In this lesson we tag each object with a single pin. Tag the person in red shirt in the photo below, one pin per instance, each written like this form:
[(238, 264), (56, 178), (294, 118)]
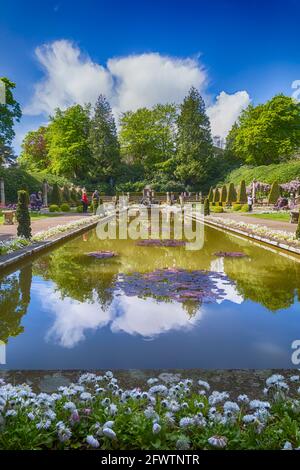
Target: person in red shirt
[(85, 201)]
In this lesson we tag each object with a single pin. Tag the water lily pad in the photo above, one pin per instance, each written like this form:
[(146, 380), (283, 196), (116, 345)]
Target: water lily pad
[(103, 254), (158, 242), (230, 254)]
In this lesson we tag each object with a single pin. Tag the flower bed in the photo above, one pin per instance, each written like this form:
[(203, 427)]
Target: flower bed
[(96, 413), (19, 242), (260, 230)]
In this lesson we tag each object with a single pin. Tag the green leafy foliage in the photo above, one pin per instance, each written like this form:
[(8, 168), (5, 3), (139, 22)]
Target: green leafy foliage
[(242, 193), (23, 216), (54, 208), (223, 193), (206, 206), (56, 195), (10, 112), (231, 194), (236, 207), (216, 195), (65, 207)]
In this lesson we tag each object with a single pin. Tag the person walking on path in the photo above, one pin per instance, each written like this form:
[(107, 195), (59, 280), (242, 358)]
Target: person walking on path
[(250, 203), (85, 201)]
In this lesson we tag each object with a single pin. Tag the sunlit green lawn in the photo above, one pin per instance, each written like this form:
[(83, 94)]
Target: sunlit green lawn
[(281, 216), (36, 216)]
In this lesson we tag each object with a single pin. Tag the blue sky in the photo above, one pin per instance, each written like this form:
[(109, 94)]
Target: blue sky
[(138, 53)]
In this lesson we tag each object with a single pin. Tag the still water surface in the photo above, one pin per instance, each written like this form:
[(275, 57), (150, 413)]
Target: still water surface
[(66, 310)]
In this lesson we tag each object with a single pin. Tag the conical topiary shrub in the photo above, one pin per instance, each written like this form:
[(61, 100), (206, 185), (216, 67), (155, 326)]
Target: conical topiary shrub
[(56, 195), (211, 195), (216, 195), (242, 193), (23, 216), (206, 206), (274, 193), (223, 193), (231, 194)]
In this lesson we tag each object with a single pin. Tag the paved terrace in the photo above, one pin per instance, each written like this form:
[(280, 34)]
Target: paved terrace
[(9, 231)]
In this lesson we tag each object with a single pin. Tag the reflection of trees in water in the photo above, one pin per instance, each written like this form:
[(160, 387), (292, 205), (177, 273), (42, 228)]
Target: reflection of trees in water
[(14, 301), (270, 280)]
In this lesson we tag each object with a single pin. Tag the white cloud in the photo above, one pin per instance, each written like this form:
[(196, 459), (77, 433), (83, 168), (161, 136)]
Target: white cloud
[(128, 82), (226, 110)]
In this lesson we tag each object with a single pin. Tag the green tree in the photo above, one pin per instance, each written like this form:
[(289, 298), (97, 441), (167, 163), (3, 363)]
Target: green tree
[(231, 194), (23, 216), (223, 193), (148, 139), (69, 151), (242, 193), (194, 142), (103, 141), (274, 193), (267, 133), (34, 153), (10, 112)]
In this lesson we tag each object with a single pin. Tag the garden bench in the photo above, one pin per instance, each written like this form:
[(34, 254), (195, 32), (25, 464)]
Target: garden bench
[(8, 216)]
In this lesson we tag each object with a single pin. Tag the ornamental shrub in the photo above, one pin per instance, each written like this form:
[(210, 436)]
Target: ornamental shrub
[(56, 195), (211, 195), (274, 193), (216, 195), (245, 208), (79, 209), (237, 207), (206, 207), (217, 209), (223, 193), (65, 207), (231, 194), (54, 208), (242, 193), (23, 216)]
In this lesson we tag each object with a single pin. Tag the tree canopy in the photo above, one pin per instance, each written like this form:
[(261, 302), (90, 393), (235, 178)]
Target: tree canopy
[(10, 112)]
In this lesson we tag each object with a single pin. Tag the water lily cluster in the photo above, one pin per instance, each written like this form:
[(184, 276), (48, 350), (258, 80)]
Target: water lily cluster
[(97, 413)]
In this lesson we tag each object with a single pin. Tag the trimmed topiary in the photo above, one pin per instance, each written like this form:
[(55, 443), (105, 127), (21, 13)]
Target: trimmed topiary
[(56, 195), (65, 207), (242, 193), (223, 193), (231, 194), (79, 209), (23, 216), (236, 207), (211, 195), (54, 208), (206, 207), (245, 208), (274, 193), (217, 209), (216, 195)]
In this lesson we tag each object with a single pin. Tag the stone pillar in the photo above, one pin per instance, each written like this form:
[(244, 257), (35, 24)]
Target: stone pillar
[(45, 193), (2, 192), (168, 198)]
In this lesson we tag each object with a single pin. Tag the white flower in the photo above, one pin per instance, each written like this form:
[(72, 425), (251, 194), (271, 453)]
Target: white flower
[(186, 421), (156, 428), (249, 419), (231, 406), (108, 432), (295, 378), (11, 413), (243, 398), (183, 443), (44, 424), (274, 379), (218, 441), (287, 446), (150, 413), (113, 409), (51, 415), (152, 381), (158, 390), (204, 384), (69, 405), (109, 374), (259, 404), (85, 396), (108, 424), (217, 397), (92, 441)]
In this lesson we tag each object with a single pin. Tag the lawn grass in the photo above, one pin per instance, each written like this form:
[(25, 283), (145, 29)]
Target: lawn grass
[(36, 216), (281, 216)]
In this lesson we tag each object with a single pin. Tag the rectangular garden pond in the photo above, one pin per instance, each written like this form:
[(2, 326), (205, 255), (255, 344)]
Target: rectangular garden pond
[(151, 306)]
